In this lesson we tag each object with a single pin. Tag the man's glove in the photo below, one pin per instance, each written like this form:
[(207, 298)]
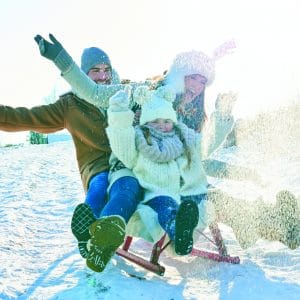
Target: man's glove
[(119, 101), (48, 49)]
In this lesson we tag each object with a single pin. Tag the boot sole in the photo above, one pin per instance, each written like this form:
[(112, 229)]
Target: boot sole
[(102, 247), (186, 221), (81, 220)]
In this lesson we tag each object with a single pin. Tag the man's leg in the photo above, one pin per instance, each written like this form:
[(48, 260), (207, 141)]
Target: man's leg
[(87, 213), (108, 233), (96, 194), (124, 196)]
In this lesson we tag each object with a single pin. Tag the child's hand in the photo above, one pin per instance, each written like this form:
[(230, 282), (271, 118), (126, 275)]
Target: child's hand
[(119, 101), (225, 102)]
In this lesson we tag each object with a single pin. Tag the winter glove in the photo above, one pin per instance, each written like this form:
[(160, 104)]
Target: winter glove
[(141, 94), (48, 49), (119, 101), (224, 104), (54, 51)]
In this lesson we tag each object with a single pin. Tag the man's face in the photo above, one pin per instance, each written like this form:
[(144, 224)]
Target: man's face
[(101, 74)]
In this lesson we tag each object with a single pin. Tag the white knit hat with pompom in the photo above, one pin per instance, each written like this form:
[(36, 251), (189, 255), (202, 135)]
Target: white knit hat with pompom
[(189, 63), (155, 104)]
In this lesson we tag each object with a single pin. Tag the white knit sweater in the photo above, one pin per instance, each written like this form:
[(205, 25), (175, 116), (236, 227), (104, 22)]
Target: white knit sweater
[(162, 178)]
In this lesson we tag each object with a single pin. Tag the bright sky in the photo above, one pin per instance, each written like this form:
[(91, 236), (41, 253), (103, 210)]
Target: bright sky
[(142, 37)]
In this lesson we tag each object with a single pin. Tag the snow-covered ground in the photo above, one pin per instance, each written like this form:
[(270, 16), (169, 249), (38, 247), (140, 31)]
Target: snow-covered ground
[(39, 189)]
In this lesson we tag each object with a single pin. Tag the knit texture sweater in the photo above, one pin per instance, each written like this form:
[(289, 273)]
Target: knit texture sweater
[(84, 87), (175, 178)]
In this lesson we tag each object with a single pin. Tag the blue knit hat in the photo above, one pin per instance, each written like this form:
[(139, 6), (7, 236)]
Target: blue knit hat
[(93, 56)]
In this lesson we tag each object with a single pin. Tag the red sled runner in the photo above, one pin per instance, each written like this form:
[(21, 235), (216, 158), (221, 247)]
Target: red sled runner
[(220, 255)]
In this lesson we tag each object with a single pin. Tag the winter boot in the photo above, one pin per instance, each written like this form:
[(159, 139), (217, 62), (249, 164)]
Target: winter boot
[(82, 218), (280, 222), (107, 234), (187, 218)]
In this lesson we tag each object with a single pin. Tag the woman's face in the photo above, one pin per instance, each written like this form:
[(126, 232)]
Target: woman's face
[(194, 84), (163, 125)]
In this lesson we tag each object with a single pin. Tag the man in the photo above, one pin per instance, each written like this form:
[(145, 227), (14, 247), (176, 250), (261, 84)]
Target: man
[(86, 124)]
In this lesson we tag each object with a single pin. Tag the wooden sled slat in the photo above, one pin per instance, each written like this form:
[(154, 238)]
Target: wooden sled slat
[(153, 265)]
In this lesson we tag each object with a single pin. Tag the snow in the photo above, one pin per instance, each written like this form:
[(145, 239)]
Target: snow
[(40, 187)]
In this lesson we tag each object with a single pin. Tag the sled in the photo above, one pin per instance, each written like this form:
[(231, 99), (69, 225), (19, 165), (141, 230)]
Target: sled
[(152, 264)]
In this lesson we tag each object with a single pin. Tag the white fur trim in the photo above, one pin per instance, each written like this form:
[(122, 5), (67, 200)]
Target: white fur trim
[(188, 63)]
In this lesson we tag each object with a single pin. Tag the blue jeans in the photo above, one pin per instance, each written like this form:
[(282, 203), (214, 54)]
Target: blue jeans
[(196, 198), (96, 193), (124, 196), (166, 208)]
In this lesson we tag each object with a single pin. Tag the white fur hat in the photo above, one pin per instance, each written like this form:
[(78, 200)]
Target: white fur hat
[(189, 63), (155, 104)]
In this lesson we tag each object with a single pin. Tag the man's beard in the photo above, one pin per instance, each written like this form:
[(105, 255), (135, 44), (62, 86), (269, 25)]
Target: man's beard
[(108, 81)]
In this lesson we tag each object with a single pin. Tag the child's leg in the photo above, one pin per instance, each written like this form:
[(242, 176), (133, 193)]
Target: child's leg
[(166, 208), (124, 196), (186, 221), (179, 222), (96, 194)]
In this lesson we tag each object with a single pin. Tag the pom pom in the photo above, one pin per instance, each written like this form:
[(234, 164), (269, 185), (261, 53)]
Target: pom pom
[(166, 92)]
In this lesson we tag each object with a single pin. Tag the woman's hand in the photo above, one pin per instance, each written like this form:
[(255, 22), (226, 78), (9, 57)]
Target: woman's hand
[(225, 102)]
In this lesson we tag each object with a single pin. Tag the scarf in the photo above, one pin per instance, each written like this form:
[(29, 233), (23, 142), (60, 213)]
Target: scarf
[(164, 147)]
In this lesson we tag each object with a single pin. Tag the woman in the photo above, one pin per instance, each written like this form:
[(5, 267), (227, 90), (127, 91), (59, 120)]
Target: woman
[(190, 73)]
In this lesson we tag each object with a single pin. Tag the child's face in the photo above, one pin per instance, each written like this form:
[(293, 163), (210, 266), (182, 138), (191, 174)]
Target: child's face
[(163, 125)]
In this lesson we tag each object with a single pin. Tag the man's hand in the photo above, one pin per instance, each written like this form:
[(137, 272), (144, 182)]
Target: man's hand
[(48, 49)]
